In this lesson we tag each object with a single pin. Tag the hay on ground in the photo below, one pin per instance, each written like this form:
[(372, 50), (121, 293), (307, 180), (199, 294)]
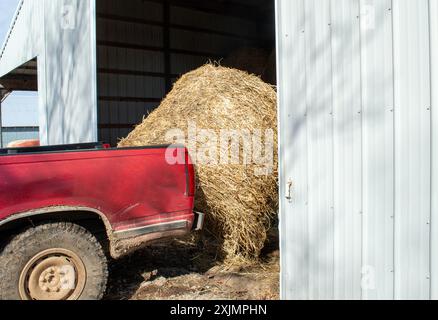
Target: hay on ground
[(239, 203)]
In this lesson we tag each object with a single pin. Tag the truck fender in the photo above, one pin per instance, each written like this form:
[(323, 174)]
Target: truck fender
[(64, 209)]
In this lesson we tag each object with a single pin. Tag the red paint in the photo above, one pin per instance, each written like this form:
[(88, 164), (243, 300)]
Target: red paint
[(131, 187)]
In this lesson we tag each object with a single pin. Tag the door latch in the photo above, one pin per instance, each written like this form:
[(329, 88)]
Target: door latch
[(289, 190)]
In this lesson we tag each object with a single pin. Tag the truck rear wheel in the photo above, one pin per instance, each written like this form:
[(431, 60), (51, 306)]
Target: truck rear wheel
[(54, 261)]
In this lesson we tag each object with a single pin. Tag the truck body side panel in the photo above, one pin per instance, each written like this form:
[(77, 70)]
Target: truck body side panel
[(133, 188)]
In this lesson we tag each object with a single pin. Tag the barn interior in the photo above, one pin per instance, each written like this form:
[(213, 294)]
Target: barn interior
[(144, 46)]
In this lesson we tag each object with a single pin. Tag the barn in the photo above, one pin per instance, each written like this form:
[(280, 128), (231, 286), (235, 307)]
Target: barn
[(358, 93)]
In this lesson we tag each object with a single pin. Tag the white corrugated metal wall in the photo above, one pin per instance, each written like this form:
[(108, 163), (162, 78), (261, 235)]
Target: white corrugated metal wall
[(357, 141), (69, 71)]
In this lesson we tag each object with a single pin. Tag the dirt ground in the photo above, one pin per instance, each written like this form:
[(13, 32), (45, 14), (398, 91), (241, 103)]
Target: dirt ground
[(183, 270)]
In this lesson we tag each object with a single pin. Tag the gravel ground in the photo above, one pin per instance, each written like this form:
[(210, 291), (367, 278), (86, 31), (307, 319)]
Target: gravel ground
[(181, 270)]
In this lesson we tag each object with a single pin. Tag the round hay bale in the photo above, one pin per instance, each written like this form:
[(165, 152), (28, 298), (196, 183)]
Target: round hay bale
[(239, 196), (251, 60)]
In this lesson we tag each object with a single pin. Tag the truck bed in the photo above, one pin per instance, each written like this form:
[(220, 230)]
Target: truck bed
[(135, 190)]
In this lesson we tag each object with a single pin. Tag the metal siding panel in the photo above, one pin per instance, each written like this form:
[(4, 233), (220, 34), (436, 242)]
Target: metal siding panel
[(134, 8), (182, 63), (25, 40), (347, 148), (189, 17), (42, 86), (294, 241), (433, 14), (205, 42), (131, 33), (320, 146), (382, 97), (69, 67), (412, 114), (123, 59), (378, 142)]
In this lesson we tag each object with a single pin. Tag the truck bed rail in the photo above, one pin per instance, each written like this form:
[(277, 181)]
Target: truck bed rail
[(58, 148)]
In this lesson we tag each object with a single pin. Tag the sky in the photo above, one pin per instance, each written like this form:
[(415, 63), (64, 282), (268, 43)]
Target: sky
[(7, 10), (20, 108)]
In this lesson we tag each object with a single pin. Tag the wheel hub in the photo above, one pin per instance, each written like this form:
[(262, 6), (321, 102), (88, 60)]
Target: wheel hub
[(55, 274), (50, 279)]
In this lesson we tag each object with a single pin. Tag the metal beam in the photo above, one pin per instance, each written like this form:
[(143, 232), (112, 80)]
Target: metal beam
[(129, 99), (126, 72), (19, 82), (123, 45), (142, 21), (117, 126), (225, 7)]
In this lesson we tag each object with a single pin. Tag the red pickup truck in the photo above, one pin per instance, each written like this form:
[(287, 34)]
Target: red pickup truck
[(65, 209)]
